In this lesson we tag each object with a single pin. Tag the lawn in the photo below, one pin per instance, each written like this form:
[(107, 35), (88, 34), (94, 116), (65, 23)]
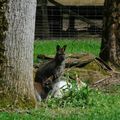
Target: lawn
[(90, 105), (48, 47), (100, 106)]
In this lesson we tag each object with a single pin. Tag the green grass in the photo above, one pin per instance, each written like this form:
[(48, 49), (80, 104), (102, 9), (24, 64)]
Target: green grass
[(48, 47), (99, 105)]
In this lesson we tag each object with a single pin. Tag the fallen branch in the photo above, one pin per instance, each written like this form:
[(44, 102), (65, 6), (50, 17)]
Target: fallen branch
[(105, 66), (114, 78), (44, 57)]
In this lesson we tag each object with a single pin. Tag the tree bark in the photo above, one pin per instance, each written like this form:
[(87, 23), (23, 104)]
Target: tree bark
[(17, 36), (71, 27), (45, 24), (110, 47)]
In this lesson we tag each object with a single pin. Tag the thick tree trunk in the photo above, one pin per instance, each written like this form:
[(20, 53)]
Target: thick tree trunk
[(17, 35), (110, 47)]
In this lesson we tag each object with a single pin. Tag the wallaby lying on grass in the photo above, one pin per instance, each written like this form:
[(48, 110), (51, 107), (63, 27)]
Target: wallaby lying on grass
[(52, 70)]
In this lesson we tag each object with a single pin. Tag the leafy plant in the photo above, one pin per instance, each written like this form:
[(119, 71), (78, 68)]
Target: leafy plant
[(72, 98)]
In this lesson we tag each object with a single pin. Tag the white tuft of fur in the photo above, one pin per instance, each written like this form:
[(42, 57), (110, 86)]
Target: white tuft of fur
[(59, 88)]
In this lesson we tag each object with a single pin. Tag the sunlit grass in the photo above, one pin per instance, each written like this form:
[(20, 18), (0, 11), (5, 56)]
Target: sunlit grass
[(101, 106), (48, 47)]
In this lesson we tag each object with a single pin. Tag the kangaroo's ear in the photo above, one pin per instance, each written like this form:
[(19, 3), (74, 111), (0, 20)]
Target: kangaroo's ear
[(64, 47), (58, 47)]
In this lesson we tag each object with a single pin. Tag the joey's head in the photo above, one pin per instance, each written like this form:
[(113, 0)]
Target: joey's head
[(60, 53)]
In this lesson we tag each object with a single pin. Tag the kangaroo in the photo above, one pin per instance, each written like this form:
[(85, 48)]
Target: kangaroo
[(53, 70)]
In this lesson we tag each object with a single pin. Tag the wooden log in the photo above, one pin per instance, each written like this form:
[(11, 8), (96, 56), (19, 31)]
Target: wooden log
[(44, 57), (76, 60)]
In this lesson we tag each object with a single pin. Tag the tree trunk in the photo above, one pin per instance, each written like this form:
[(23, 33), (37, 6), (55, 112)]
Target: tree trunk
[(110, 47), (71, 23), (17, 25), (45, 24)]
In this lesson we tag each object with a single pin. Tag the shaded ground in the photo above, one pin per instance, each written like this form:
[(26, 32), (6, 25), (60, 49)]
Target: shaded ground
[(89, 69)]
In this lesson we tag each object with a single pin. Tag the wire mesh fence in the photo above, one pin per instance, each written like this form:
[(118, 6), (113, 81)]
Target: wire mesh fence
[(64, 19), (66, 22)]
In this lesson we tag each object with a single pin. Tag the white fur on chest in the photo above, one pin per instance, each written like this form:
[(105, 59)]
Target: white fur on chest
[(59, 88)]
